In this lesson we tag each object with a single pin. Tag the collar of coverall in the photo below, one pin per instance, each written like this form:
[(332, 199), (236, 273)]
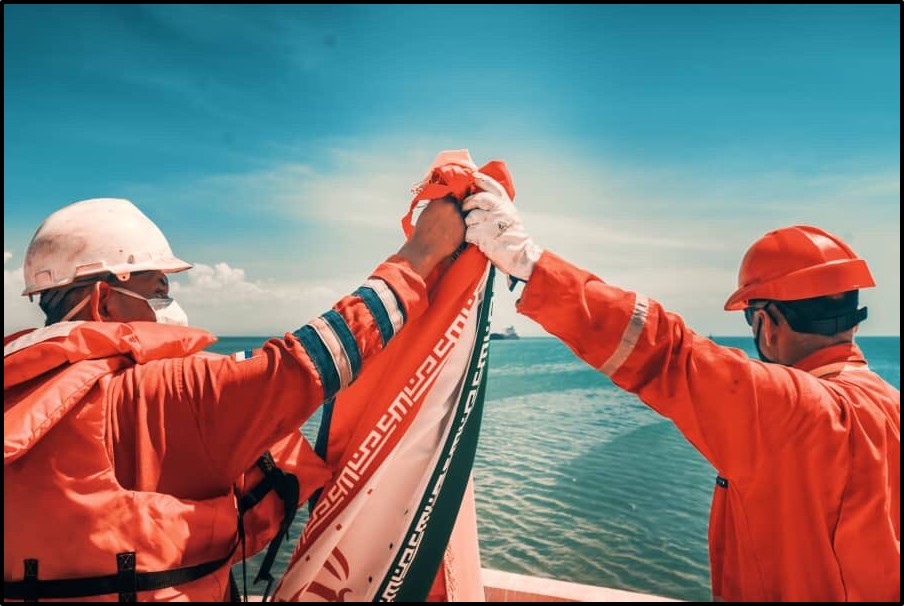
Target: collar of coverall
[(832, 360)]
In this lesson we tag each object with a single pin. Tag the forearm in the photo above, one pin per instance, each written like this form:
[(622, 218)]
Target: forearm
[(251, 399), (727, 405), (360, 325), (589, 316)]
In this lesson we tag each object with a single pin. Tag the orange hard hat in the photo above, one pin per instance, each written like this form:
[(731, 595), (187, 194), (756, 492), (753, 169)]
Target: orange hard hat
[(798, 262)]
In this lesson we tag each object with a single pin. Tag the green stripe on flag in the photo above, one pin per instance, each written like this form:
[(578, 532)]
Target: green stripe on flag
[(414, 568)]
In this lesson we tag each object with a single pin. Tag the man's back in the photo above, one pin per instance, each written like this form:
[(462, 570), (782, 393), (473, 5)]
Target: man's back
[(816, 516), (867, 539), (66, 515), (808, 459)]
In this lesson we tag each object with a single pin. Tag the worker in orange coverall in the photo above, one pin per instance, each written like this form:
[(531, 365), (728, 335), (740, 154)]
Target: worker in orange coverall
[(128, 450), (806, 442)]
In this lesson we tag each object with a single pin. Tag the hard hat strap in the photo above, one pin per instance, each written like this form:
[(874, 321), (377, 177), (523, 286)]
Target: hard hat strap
[(821, 326), (78, 307)]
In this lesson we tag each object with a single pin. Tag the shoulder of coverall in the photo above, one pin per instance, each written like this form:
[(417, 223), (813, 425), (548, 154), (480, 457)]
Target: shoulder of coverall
[(35, 353), (832, 359)]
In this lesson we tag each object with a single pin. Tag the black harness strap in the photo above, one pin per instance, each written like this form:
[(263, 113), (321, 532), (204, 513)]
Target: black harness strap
[(234, 595), (126, 582), (288, 490), (126, 576)]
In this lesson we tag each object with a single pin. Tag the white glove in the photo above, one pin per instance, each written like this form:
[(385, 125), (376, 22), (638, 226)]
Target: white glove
[(494, 227)]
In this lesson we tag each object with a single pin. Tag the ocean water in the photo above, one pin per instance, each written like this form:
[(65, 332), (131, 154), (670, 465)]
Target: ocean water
[(577, 480)]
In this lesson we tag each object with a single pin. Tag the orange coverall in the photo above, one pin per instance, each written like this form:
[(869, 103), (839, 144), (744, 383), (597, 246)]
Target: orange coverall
[(178, 427), (807, 500)]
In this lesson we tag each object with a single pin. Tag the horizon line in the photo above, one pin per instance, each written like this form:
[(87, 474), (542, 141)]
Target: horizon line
[(898, 336)]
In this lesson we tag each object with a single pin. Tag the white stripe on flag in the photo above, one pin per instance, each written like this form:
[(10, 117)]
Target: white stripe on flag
[(372, 528), (629, 337)]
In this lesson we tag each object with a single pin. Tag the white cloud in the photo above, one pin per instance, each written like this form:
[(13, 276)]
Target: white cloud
[(365, 188), (18, 312), (677, 235), (210, 279), (216, 297), (674, 233), (222, 300)]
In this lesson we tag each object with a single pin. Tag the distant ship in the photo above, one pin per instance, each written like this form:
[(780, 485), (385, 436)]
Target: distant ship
[(508, 335)]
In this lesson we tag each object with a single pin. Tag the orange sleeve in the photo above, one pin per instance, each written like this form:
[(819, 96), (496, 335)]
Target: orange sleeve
[(731, 408), (215, 415)]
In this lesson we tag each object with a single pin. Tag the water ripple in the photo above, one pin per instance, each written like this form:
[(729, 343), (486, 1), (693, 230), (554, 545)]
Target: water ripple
[(577, 480)]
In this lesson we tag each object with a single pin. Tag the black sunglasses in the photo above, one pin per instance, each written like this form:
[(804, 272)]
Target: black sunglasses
[(750, 312)]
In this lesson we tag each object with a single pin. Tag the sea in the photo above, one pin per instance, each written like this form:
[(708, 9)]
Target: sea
[(577, 480)]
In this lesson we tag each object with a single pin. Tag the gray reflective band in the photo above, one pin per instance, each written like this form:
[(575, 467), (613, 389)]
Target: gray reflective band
[(629, 337)]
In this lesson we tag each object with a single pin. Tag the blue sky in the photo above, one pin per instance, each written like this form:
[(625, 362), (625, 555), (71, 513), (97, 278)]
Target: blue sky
[(275, 146)]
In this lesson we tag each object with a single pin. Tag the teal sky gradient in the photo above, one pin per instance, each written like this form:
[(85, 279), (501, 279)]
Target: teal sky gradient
[(275, 145)]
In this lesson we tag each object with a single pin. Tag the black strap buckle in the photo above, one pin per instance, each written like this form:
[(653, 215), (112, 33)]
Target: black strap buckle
[(126, 576), (288, 490), (30, 584)]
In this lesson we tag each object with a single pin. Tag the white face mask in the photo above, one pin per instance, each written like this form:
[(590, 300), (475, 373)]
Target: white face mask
[(167, 310)]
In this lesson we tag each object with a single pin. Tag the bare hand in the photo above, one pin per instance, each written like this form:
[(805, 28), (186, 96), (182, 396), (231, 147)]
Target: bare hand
[(439, 232)]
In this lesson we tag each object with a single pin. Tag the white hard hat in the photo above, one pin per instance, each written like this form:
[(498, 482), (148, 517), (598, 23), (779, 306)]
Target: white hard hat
[(95, 237)]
